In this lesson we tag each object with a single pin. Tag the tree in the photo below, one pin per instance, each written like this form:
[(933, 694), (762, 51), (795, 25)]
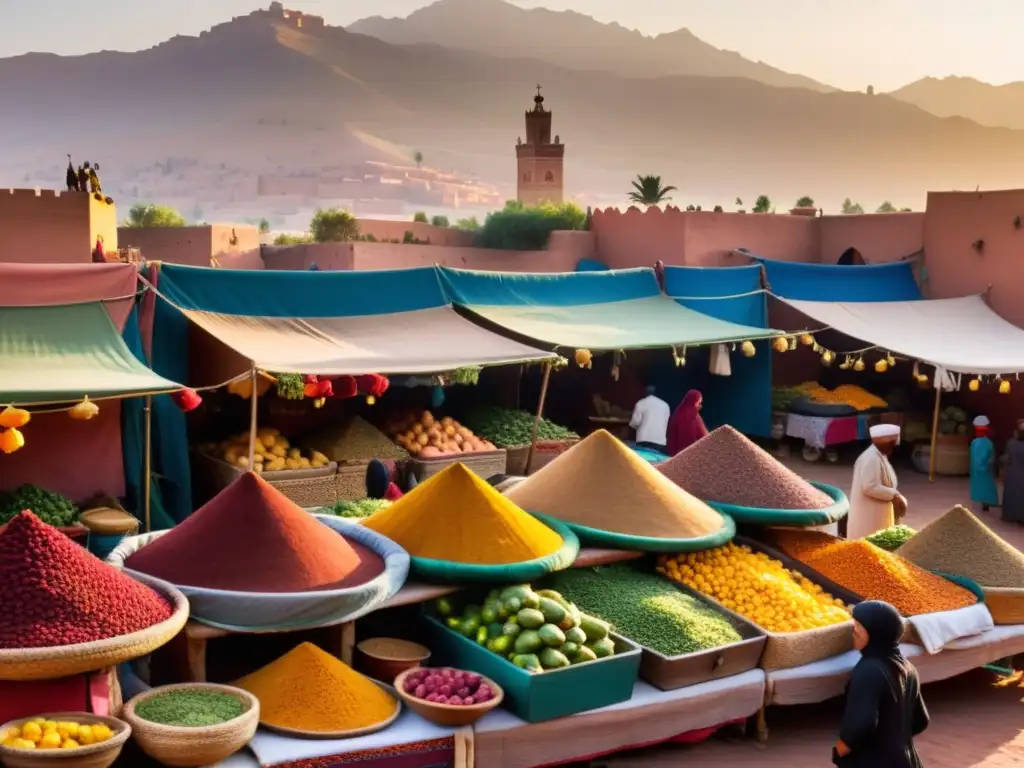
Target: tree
[(886, 207), (333, 226), (468, 225), (286, 239), (719, 209), (805, 202), (763, 204), (851, 207), (152, 215), (264, 226), (420, 217), (647, 190), (418, 157), (440, 221), (738, 203), (519, 228)]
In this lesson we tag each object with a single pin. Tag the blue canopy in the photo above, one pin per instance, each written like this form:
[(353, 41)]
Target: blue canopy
[(833, 282)]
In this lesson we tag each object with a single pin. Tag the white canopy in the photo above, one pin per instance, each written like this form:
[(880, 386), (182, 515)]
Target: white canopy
[(959, 335)]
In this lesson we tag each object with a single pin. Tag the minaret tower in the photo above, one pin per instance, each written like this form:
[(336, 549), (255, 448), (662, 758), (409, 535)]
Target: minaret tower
[(540, 162)]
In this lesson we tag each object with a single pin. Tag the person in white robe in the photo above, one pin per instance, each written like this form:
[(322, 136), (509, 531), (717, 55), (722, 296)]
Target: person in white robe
[(875, 502)]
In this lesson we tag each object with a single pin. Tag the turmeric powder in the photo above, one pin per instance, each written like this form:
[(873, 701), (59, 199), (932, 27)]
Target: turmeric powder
[(874, 574), (456, 516), (307, 689)]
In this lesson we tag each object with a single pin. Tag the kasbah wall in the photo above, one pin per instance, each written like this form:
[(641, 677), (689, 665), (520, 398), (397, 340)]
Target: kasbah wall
[(55, 227)]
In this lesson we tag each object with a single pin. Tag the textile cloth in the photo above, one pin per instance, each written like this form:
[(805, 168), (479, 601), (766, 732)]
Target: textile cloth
[(937, 630)]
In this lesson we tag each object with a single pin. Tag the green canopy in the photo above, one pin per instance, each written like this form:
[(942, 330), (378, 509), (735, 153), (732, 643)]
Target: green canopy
[(59, 354)]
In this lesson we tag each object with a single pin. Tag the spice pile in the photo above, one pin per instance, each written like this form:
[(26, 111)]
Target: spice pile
[(959, 543), (602, 484), (508, 428), (53, 592), (892, 538), (646, 609), (49, 506), (874, 574), (190, 708), (756, 587), (727, 467), (309, 690), (40, 733), (457, 517), (251, 523), (355, 440)]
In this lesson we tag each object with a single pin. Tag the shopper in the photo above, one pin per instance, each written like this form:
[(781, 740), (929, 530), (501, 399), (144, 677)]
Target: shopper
[(983, 466), (650, 420), (884, 709), (686, 426), (1013, 479), (875, 502)]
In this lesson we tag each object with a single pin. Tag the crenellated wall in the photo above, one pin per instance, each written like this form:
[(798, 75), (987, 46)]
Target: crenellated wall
[(231, 246), (51, 226)]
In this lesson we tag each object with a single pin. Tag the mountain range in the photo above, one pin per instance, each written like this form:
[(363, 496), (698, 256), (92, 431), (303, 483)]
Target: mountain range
[(201, 117)]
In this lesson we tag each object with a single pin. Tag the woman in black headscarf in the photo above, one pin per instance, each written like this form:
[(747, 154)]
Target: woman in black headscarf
[(884, 710)]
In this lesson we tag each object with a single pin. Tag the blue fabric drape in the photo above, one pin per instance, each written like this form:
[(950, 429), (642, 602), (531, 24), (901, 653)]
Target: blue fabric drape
[(743, 399), (570, 289), (831, 282), (590, 265)]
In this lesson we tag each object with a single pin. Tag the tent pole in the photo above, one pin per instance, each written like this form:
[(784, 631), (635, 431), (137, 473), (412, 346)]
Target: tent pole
[(147, 463), (540, 415), (935, 435), (252, 417)]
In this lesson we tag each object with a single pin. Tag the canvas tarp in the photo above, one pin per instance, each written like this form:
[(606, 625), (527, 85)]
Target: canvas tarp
[(37, 285), (832, 282), (59, 354), (959, 335)]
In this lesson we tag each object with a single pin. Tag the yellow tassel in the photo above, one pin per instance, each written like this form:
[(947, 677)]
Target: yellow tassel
[(370, 400), (748, 349), (1004, 387), (807, 340), (14, 418), (584, 359), (11, 440), (780, 344), (974, 385), (85, 410), (319, 402)]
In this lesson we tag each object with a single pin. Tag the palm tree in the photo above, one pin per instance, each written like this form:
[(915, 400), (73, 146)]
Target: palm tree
[(418, 157), (647, 190)]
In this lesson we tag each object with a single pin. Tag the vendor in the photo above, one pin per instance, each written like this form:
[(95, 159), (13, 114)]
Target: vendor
[(378, 482), (983, 466), (650, 420), (875, 502)]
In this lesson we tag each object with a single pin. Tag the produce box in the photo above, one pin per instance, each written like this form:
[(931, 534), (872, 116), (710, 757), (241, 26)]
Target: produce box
[(536, 697), (306, 487), (671, 672), (484, 463)]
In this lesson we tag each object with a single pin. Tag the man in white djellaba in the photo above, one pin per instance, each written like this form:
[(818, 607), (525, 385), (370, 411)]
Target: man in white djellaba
[(875, 502)]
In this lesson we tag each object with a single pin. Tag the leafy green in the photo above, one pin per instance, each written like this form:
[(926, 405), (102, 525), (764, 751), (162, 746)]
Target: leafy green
[(290, 386), (508, 428), (892, 538), (357, 509), (49, 506)]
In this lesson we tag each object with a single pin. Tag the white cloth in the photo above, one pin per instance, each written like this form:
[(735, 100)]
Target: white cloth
[(720, 363), (937, 630), (810, 429), (874, 488), (882, 431), (650, 420)]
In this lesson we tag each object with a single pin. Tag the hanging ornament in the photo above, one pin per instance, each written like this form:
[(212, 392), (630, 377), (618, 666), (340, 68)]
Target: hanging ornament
[(815, 347), (311, 386), (890, 360), (974, 384), (679, 356), (748, 349), (583, 358), (827, 357), (14, 418), (616, 361), (187, 399), (859, 364), (847, 362), (85, 410), (1004, 387), (241, 388), (319, 402), (792, 343), (807, 340), (324, 389), (881, 366), (11, 440), (780, 344)]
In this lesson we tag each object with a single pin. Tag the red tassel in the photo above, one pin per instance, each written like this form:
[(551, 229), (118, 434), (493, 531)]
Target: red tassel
[(325, 389), (187, 399), (373, 384), (345, 387)]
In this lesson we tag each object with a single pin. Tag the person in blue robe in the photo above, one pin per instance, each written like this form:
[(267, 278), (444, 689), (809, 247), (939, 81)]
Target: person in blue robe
[(983, 466)]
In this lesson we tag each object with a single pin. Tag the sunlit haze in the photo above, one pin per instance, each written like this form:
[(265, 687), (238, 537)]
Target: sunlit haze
[(849, 45)]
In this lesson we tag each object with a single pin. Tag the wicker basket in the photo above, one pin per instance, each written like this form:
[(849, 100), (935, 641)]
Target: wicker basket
[(350, 481), (1006, 604), (207, 745), (99, 755), (306, 487), (484, 464), (546, 452), (68, 660)]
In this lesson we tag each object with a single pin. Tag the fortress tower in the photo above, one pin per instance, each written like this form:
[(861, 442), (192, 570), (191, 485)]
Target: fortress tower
[(540, 162)]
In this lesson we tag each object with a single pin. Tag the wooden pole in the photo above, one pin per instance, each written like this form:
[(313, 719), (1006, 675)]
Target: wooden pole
[(935, 435), (147, 462), (540, 415), (254, 401)]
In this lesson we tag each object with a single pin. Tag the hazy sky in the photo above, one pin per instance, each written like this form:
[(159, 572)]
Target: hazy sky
[(885, 43)]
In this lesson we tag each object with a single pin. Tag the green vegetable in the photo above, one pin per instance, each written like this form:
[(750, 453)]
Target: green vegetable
[(500, 645), (552, 659), (290, 386), (584, 654), (494, 629), (49, 506), (527, 661), (482, 636), (892, 538), (489, 612), (552, 636), (190, 708), (511, 629), (468, 375), (454, 622), (645, 608), (553, 612), (443, 606), (570, 650), (470, 625), (512, 605), (528, 641), (507, 428), (530, 618), (576, 635), (357, 509), (602, 648)]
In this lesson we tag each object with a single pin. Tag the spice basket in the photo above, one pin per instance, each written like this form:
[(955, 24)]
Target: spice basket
[(789, 517), (671, 672), (484, 463), (67, 660), (1006, 604), (99, 755), (595, 537), (349, 734), (449, 715), (306, 487), (547, 695), (186, 747), (546, 452)]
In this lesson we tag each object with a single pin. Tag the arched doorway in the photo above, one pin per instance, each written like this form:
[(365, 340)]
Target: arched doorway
[(851, 258)]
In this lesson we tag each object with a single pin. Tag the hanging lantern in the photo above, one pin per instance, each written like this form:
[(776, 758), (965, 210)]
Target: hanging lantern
[(780, 344), (890, 360), (1004, 387), (859, 365), (319, 402), (792, 343), (748, 349), (583, 358), (14, 418), (11, 440), (881, 366), (847, 362), (807, 340), (679, 356), (815, 347), (974, 384), (827, 357), (85, 410)]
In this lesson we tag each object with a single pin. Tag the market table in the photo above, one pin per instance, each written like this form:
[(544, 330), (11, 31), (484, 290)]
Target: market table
[(823, 431), (193, 639)]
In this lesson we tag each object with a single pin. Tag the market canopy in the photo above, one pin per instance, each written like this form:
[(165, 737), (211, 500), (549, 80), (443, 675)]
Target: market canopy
[(335, 322), (60, 354), (959, 335), (609, 310), (833, 282)]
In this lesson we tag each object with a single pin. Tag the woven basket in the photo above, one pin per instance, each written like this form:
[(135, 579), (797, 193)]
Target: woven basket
[(309, 491), (1006, 604), (68, 660), (99, 755), (306, 487), (484, 464), (350, 481), (206, 745), (546, 452)]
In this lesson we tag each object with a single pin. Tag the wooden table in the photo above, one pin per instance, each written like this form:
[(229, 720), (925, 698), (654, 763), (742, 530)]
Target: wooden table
[(195, 636)]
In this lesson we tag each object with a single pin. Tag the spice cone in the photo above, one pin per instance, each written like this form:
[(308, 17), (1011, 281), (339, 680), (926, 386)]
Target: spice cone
[(355, 440), (252, 538), (725, 466), (961, 544), (600, 483)]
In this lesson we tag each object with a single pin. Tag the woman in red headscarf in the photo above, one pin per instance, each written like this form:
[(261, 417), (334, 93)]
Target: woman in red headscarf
[(686, 426)]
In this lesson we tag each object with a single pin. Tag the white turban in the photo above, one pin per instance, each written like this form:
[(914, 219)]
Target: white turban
[(980, 421), (882, 431)]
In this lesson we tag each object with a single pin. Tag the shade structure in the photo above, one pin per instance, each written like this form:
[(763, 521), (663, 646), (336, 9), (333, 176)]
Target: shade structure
[(59, 354), (611, 310), (831, 282), (961, 335)]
